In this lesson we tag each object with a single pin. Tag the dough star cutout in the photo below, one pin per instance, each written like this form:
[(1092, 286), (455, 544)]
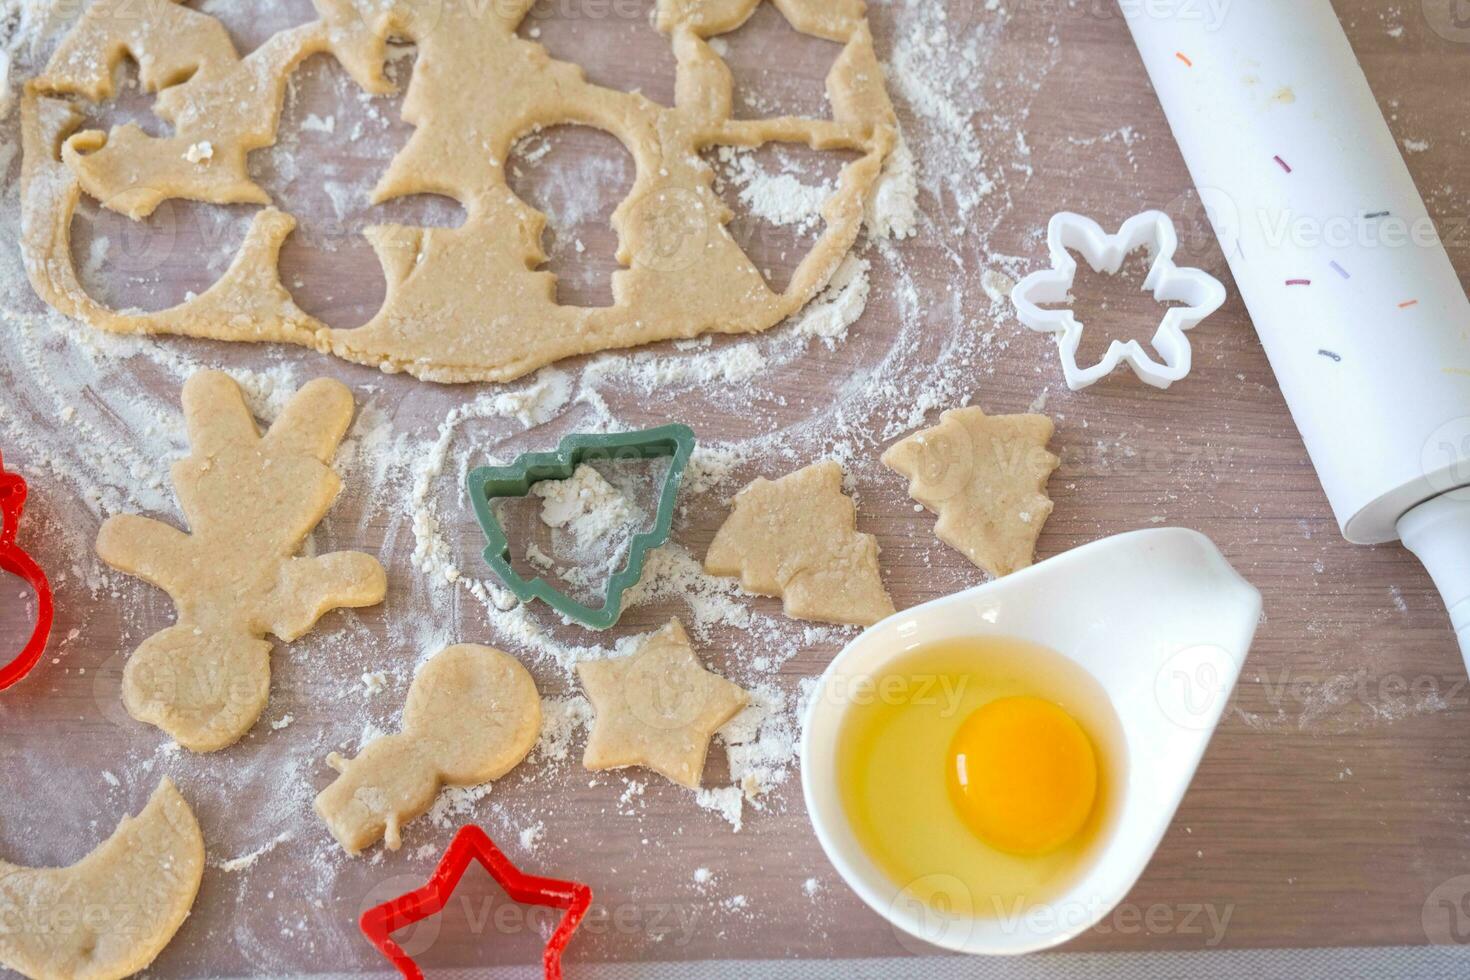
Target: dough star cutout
[(797, 538), (657, 708), (250, 501), (985, 476), (472, 715), (110, 914)]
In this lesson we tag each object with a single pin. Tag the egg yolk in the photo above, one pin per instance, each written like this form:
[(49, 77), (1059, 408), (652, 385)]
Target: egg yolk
[(1023, 775)]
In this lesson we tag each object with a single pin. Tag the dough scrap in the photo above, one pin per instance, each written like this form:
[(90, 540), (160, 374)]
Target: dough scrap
[(985, 476), (657, 708), (462, 304), (250, 501), (797, 538), (472, 715), (110, 914)]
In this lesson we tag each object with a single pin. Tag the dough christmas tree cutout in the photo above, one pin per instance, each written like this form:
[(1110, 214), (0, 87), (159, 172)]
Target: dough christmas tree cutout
[(472, 715), (250, 502), (797, 538), (985, 476)]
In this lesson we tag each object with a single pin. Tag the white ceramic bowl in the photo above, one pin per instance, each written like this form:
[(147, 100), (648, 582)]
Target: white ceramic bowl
[(1157, 617)]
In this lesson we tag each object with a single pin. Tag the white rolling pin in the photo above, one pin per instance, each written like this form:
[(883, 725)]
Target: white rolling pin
[(1332, 248)]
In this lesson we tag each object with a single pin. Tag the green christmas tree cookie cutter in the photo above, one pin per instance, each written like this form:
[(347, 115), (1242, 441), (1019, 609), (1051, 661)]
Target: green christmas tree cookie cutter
[(490, 483)]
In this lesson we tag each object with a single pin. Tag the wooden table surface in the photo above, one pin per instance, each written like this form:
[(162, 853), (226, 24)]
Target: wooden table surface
[(1335, 798)]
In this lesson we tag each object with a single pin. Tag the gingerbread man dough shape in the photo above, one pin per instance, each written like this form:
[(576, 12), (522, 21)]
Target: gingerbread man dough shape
[(472, 715), (250, 501)]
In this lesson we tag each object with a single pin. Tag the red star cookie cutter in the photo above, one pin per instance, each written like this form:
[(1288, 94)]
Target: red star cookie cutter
[(15, 561), (473, 844)]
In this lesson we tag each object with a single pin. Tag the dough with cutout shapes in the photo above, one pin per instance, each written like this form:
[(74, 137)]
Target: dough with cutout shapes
[(657, 708), (467, 303), (472, 715), (110, 914), (985, 476), (797, 538), (250, 501)]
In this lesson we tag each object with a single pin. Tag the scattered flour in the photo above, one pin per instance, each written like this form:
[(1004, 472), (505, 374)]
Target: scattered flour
[(893, 205), (317, 124), (727, 801), (411, 446), (778, 198), (561, 719), (588, 506), (839, 307), (541, 401), (454, 802), (998, 286), (532, 835), (246, 861), (201, 152)]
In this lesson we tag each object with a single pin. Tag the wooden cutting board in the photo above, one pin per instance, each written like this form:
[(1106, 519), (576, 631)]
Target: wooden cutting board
[(1332, 803)]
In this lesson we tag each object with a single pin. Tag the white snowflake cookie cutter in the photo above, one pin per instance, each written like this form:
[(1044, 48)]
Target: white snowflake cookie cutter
[(1200, 292)]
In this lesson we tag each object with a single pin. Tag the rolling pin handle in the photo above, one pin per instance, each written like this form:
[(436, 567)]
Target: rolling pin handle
[(1438, 532)]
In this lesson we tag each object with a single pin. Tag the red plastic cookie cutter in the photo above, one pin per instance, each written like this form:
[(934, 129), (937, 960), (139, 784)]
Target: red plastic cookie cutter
[(15, 561), (473, 844)]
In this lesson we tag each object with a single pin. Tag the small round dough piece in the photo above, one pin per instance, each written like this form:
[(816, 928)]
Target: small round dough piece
[(477, 710)]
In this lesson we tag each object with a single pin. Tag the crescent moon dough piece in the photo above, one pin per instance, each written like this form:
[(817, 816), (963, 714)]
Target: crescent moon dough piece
[(797, 538), (472, 715), (112, 912), (250, 500), (985, 476), (463, 304)]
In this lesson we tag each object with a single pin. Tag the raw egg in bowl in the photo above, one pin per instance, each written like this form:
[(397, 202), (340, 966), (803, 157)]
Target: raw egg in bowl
[(992, 771)]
